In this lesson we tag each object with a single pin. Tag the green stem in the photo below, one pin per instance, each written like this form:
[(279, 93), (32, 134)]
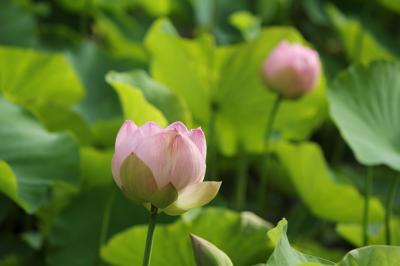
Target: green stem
[(105, 222), (85, 16), (389, 207), (241, 179), (212, 144), (367, 194), (268, 133), (150, 233)]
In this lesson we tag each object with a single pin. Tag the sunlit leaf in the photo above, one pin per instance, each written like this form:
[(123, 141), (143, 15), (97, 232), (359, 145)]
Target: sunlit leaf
[(241, 236), (318, 187), (173, 108), (29, 77), (227, 79)]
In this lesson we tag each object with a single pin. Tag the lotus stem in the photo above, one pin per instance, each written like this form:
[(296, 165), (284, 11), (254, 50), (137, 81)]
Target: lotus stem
[(268, 133), (389, 207), (367, 194), (150, 233), (241, 179)]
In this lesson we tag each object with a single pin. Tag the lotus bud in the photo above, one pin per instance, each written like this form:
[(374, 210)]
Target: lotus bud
[(206, 254), (163, 167), (291, 70)]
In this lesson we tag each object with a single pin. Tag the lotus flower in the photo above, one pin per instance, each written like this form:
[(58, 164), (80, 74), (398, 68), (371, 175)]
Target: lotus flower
[(291, 70), (163, 167)]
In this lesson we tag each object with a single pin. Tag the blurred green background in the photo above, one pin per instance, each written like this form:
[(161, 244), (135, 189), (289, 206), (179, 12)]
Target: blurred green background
[(72, 70)]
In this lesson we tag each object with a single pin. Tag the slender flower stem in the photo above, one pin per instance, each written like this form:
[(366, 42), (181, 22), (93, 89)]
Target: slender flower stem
[(241, 179), (268, 133), (367, 194), (212, 141), (389, 207), (105, 222), (150, 232)]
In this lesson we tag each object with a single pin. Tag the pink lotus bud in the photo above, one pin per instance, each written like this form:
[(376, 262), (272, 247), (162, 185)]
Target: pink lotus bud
[(163, 166), (291, 70)]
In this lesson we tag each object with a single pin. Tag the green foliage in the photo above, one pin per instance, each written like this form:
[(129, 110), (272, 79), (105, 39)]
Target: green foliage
[(242, 236), (359, 43), (49, 76), (373, 256), (284, 254), (138, 85), (92, 216), (17, 25), (376, 232), (318, 187), (72, 70), (227, 79), (32, 160), (364, 106)]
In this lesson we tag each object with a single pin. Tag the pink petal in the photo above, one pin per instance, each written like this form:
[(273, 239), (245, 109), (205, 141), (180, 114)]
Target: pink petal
[(179, 126), (198, 138), (149, 129), (173, 158), (125, 132)]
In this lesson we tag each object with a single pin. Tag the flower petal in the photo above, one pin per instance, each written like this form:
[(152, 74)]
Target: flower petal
[(178, 126), (193, 196), (121, 152), (125, 132), (149, 129), (164, 196), (198, 138), (137, 180), (172, 157)]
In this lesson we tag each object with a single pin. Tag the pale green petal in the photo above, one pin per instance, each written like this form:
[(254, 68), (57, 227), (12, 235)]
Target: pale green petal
[(137, 179), (193, 196), (165, 196)]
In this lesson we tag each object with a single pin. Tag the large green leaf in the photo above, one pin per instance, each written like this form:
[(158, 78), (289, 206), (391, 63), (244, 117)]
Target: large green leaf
[(172, 106), (91, 64), (244, 102), (393, 5), (46, 84), (17, 25), (284, 254), (241, 236), (122, 35), (360, 45), (318, 187), (33, 160), (156, 7), (135, 106), (92, 216), (372, 256), (364, 106), (228, 79), (183, 74), (29, 77), (376, 232)]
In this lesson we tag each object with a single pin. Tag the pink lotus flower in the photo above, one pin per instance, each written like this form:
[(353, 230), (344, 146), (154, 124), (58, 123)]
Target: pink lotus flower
[(292, 70), (164, 167)]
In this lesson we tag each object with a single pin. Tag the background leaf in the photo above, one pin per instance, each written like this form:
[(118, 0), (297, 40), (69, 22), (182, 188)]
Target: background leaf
[(32, 160), (364, 106), (241, 236)]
